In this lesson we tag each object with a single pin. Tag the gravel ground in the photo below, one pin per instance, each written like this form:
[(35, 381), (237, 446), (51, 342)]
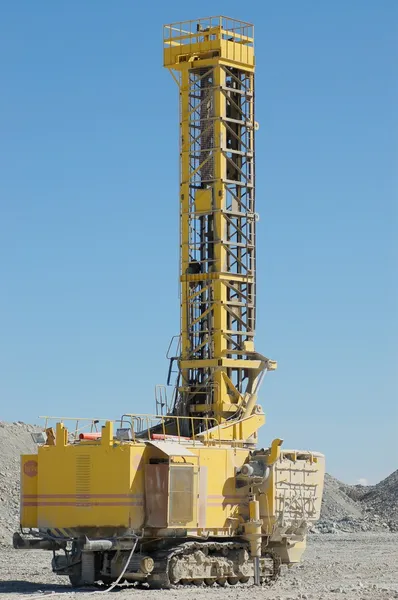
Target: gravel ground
[(362, 566)]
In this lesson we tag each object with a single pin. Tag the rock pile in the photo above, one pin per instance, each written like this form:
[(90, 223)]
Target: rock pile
[(15, 440), (382, 499), (352, 508)]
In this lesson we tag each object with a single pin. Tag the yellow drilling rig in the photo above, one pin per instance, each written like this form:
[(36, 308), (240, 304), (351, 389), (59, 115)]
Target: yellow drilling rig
[(185, 496)]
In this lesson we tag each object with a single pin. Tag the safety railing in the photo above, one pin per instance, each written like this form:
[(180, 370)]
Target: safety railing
[(81, 425), (208, 29), (143, 427), (180, 429)]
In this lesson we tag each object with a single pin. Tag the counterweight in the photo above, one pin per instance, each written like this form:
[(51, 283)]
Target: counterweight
[(213, 62)]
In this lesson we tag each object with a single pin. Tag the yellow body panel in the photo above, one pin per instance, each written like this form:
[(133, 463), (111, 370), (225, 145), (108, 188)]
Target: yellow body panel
[(242, 429), (114, 488), (88, 485), (203, 201), (29, 480)]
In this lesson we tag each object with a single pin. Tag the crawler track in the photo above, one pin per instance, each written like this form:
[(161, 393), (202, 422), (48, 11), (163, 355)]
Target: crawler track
[(197, 563)]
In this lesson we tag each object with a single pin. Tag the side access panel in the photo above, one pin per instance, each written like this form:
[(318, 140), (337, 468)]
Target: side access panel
[(156, 494), (171, 492)]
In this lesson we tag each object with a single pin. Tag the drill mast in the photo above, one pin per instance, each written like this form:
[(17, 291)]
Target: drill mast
[(212, 61)]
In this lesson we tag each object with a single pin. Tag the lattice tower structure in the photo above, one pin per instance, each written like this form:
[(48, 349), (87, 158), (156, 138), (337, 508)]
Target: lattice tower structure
[(212, 61)]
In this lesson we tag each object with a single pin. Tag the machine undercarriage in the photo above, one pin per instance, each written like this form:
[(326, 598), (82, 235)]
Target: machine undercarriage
[(178, 562)]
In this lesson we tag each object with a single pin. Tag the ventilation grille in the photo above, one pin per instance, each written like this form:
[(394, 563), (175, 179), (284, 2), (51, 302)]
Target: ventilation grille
[(83, 478)]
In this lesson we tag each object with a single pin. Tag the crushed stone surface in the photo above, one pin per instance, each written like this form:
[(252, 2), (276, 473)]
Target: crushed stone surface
[(359, 566)]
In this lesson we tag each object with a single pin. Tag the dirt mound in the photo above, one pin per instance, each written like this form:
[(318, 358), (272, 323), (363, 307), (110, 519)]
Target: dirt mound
[(15, 439)]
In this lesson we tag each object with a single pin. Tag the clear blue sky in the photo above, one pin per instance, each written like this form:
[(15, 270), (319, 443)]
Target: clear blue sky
[(89, 215)]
